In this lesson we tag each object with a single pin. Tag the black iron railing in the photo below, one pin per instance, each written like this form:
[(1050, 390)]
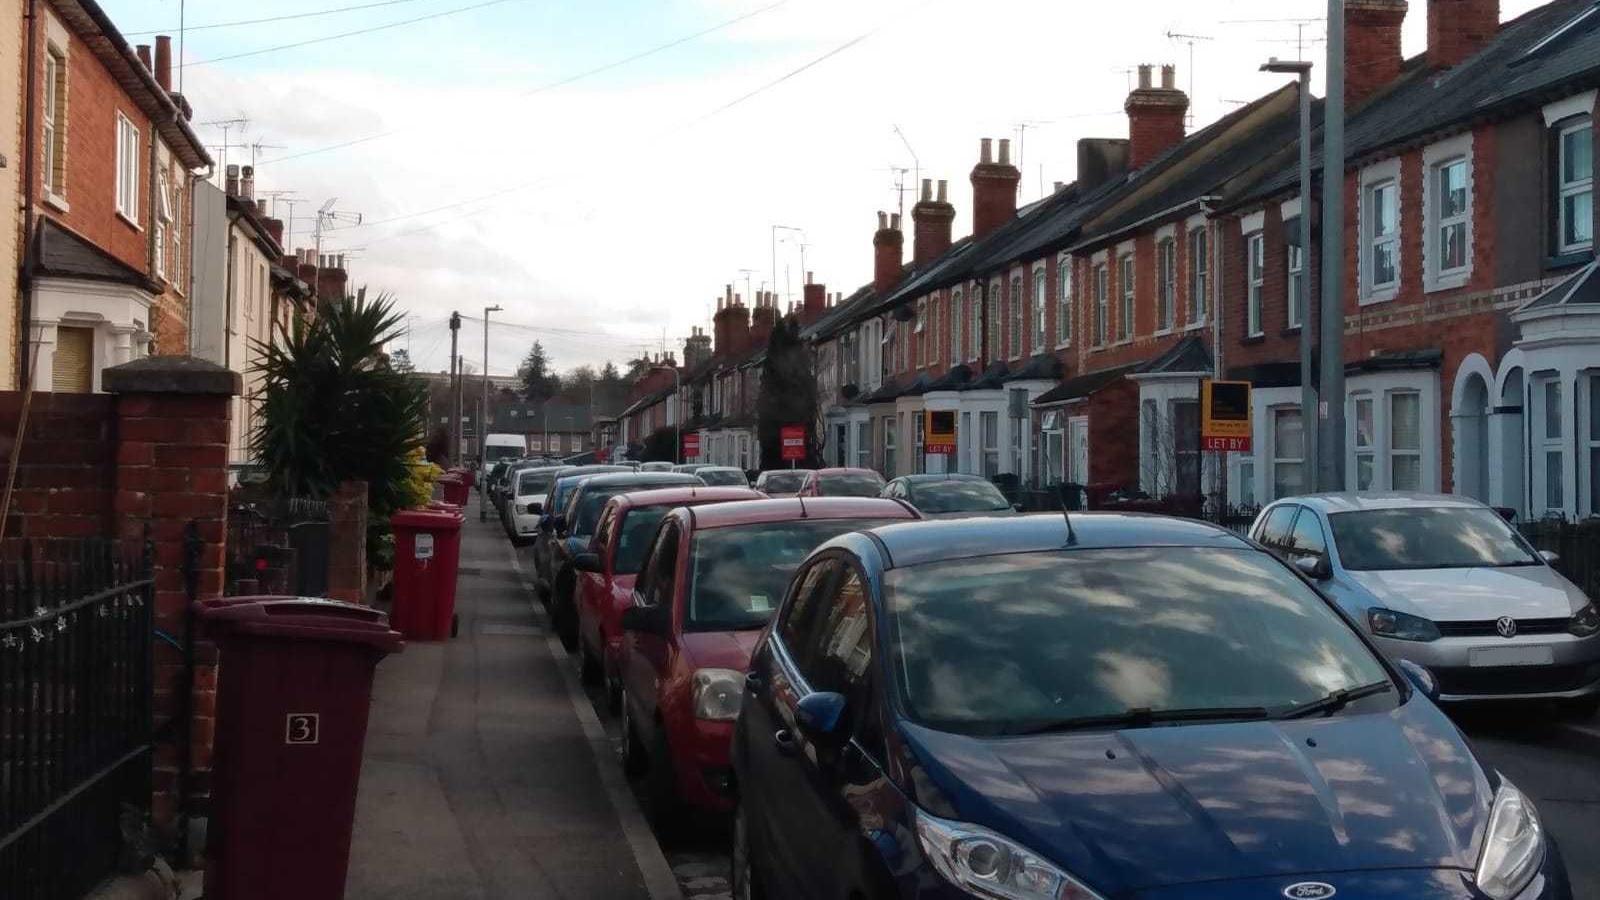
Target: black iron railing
[(277, 546), (1576, 545), (75, 711)]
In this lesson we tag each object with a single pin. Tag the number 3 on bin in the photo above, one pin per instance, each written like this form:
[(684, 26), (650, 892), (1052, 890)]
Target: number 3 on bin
[(300, 728)]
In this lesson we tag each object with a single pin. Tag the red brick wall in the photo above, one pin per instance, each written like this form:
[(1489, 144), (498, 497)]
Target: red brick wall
[(65, 474), (1114, 435), (93, 100)]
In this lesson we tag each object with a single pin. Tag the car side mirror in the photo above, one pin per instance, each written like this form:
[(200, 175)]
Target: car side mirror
[(1317, 568), (587, 562), (645, 620), (820, 717), (1420, 678), (1016, 507), (536, 509), (1550, 556)]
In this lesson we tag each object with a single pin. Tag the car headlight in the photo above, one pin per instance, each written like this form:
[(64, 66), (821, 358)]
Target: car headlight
[(1586, 622), (985, 864), (1401, 626), (717, 694), (1513, 845)]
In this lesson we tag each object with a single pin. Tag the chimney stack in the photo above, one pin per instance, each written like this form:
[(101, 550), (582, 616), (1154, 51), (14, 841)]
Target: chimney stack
[(1372, 46), (1155, 116), (1458, 29), (274, 228), (888, 253), (231, 181), (931, 223), (247, 183), (763, 320), (164, 62), (994, 189), (814, 301)]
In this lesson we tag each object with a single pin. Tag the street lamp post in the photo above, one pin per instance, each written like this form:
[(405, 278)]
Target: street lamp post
[(1331, 474), (483, 416), (1308, 392)]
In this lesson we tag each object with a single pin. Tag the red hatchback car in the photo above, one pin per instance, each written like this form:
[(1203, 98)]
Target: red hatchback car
[(606, 572), (842, 483), (707, 586)]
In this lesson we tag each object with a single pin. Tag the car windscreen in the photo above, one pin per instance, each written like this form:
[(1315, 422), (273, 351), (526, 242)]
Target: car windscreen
[(593, 501), (723, 477), (493, 452), (783, 482), (1427, 538), (849, 485), (534, 483), (1018, 643), (740, 572), (638, 527), (957, 495)]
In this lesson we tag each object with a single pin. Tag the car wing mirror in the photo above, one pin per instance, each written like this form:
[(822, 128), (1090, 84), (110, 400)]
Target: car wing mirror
[(1550, 556), (820, 717), (587, 562), (1420, 678), (1016, 507), (1317, 567), (645, 619), (536, 509)]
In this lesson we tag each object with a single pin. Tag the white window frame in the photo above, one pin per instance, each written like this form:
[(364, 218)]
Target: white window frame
[(1435, 159), (56, 71), (1016, 320), (162, 223), (933, 347), (1041, 307), (1102, 303), (921, 331), (1396, 453), (1545, 446), (987, 450), (1566, 189), (127, 173), (975, 322), (1275, 459), (1166, 281), (887, 438), (995, 345), (1367, 450), (1255, 266), (1199, 238), (1294, 271), (1374, 178), (1063, 301), (1127, 285), (957, 319)]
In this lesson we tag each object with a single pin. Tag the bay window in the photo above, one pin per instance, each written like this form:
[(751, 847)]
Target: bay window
[(1549, 489), (1362, 427), (1405, 441), (989, 422)]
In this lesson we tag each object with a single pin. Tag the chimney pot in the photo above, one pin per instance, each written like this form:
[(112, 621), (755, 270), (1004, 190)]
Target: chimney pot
[(1005, 151), (808, 276), (894, 221), (247, 183), (1169, 77), (985, 152), (1144, 76), (144, 55), (943, 192), (1059, 186), (927, 189), (883, 220), (164, 62)]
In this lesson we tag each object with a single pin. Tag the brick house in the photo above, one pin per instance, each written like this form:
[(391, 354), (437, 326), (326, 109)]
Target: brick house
[(108, 166), (1469, 207), (11, 93)]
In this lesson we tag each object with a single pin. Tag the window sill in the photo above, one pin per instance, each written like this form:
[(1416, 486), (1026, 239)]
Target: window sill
[(1447, 282), (56, 201), (1252, 339), (1163, 332), (129, 222), (1064, 345), (1383, 295), (1567, 260), (1291, 331), (1195, 326)]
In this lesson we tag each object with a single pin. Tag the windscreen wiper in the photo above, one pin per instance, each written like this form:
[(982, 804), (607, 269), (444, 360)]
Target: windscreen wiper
[(1143, 716), (1335, 701)]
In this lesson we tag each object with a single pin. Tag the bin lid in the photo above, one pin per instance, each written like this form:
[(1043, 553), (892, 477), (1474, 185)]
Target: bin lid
[(450, 478), (305, 618), (430, 519)]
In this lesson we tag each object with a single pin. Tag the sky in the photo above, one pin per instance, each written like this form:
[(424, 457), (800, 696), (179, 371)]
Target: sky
[(537, 155)]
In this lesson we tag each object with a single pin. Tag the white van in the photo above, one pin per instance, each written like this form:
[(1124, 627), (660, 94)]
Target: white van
[(502, 446)]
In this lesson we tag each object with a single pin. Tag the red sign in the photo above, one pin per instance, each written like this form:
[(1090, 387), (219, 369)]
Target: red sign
[(691, 444), (792, 440), (1231, 444)]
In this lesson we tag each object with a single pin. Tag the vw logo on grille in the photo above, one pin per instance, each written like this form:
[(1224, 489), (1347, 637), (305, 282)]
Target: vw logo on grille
[(1309, 890), (1506, 626)]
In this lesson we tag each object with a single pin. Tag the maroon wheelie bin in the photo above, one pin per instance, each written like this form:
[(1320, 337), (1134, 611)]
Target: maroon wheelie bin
[(427, 555), (454, 488), (294, 684)]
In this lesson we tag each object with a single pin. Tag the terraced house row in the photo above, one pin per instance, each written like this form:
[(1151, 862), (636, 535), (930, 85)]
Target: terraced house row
[(126, 240), (1070, 335)]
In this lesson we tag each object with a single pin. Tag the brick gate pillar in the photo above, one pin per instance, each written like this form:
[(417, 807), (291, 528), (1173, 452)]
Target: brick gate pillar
[(171, 468), (347, 542)]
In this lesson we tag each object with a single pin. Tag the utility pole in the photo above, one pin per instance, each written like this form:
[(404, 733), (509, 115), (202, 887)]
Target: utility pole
[(1330, 475), (483, 430), (455, 391), (1308, 391)]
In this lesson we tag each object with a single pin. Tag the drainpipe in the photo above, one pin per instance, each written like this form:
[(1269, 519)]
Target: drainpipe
[(29, 185)]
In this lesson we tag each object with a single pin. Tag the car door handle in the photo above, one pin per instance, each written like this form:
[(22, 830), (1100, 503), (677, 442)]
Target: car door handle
[(754, 682), (784, 740)]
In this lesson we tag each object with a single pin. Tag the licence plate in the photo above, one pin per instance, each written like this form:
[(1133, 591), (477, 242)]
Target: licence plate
[(1510, 656)]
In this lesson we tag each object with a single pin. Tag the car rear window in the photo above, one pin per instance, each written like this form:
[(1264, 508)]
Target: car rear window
[(960, 495), (740, 572), (723, 477), (783, 482), (849, 485)]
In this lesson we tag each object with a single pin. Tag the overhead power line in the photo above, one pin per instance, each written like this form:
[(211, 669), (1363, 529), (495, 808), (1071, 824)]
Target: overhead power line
[(263, 21), (561, 82), (359, 31)]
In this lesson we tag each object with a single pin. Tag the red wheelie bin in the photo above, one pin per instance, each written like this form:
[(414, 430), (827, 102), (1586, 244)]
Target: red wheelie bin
[(427, 557)]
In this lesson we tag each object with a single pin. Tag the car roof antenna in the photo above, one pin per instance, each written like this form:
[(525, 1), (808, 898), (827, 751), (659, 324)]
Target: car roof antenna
[(802, 502), (1072, 534)]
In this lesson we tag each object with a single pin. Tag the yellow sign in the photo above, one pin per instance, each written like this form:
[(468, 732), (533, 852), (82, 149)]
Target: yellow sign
[(1225, 415), (939, 432)]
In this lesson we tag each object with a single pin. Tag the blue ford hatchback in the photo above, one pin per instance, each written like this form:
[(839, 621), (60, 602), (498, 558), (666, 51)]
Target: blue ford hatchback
[(1136, 707)]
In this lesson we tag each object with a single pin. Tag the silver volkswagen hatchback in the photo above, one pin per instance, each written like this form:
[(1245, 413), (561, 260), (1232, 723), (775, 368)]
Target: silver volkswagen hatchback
[(1446, 583)]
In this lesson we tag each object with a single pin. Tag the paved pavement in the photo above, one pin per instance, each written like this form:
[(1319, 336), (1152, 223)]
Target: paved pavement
[(486, 775)]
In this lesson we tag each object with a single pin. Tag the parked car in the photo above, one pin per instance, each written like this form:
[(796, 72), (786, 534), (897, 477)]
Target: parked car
[(687, 467), (706, 587), (549, 534), (781, 482), (526, 507), (657, 467), (841, 483), (722, 476), (576, 524), (487, 483), (1443, 581), (950, 496), (606, 570), (1123, 706)]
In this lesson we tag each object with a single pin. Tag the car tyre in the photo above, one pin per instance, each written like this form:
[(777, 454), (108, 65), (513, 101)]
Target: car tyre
[(633, 753), (661, 784), (743, 877), (613, 692), (563, 613), (589, 669)]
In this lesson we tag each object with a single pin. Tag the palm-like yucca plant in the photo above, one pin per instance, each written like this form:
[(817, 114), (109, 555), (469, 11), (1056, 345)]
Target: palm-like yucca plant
[(332, 410)]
